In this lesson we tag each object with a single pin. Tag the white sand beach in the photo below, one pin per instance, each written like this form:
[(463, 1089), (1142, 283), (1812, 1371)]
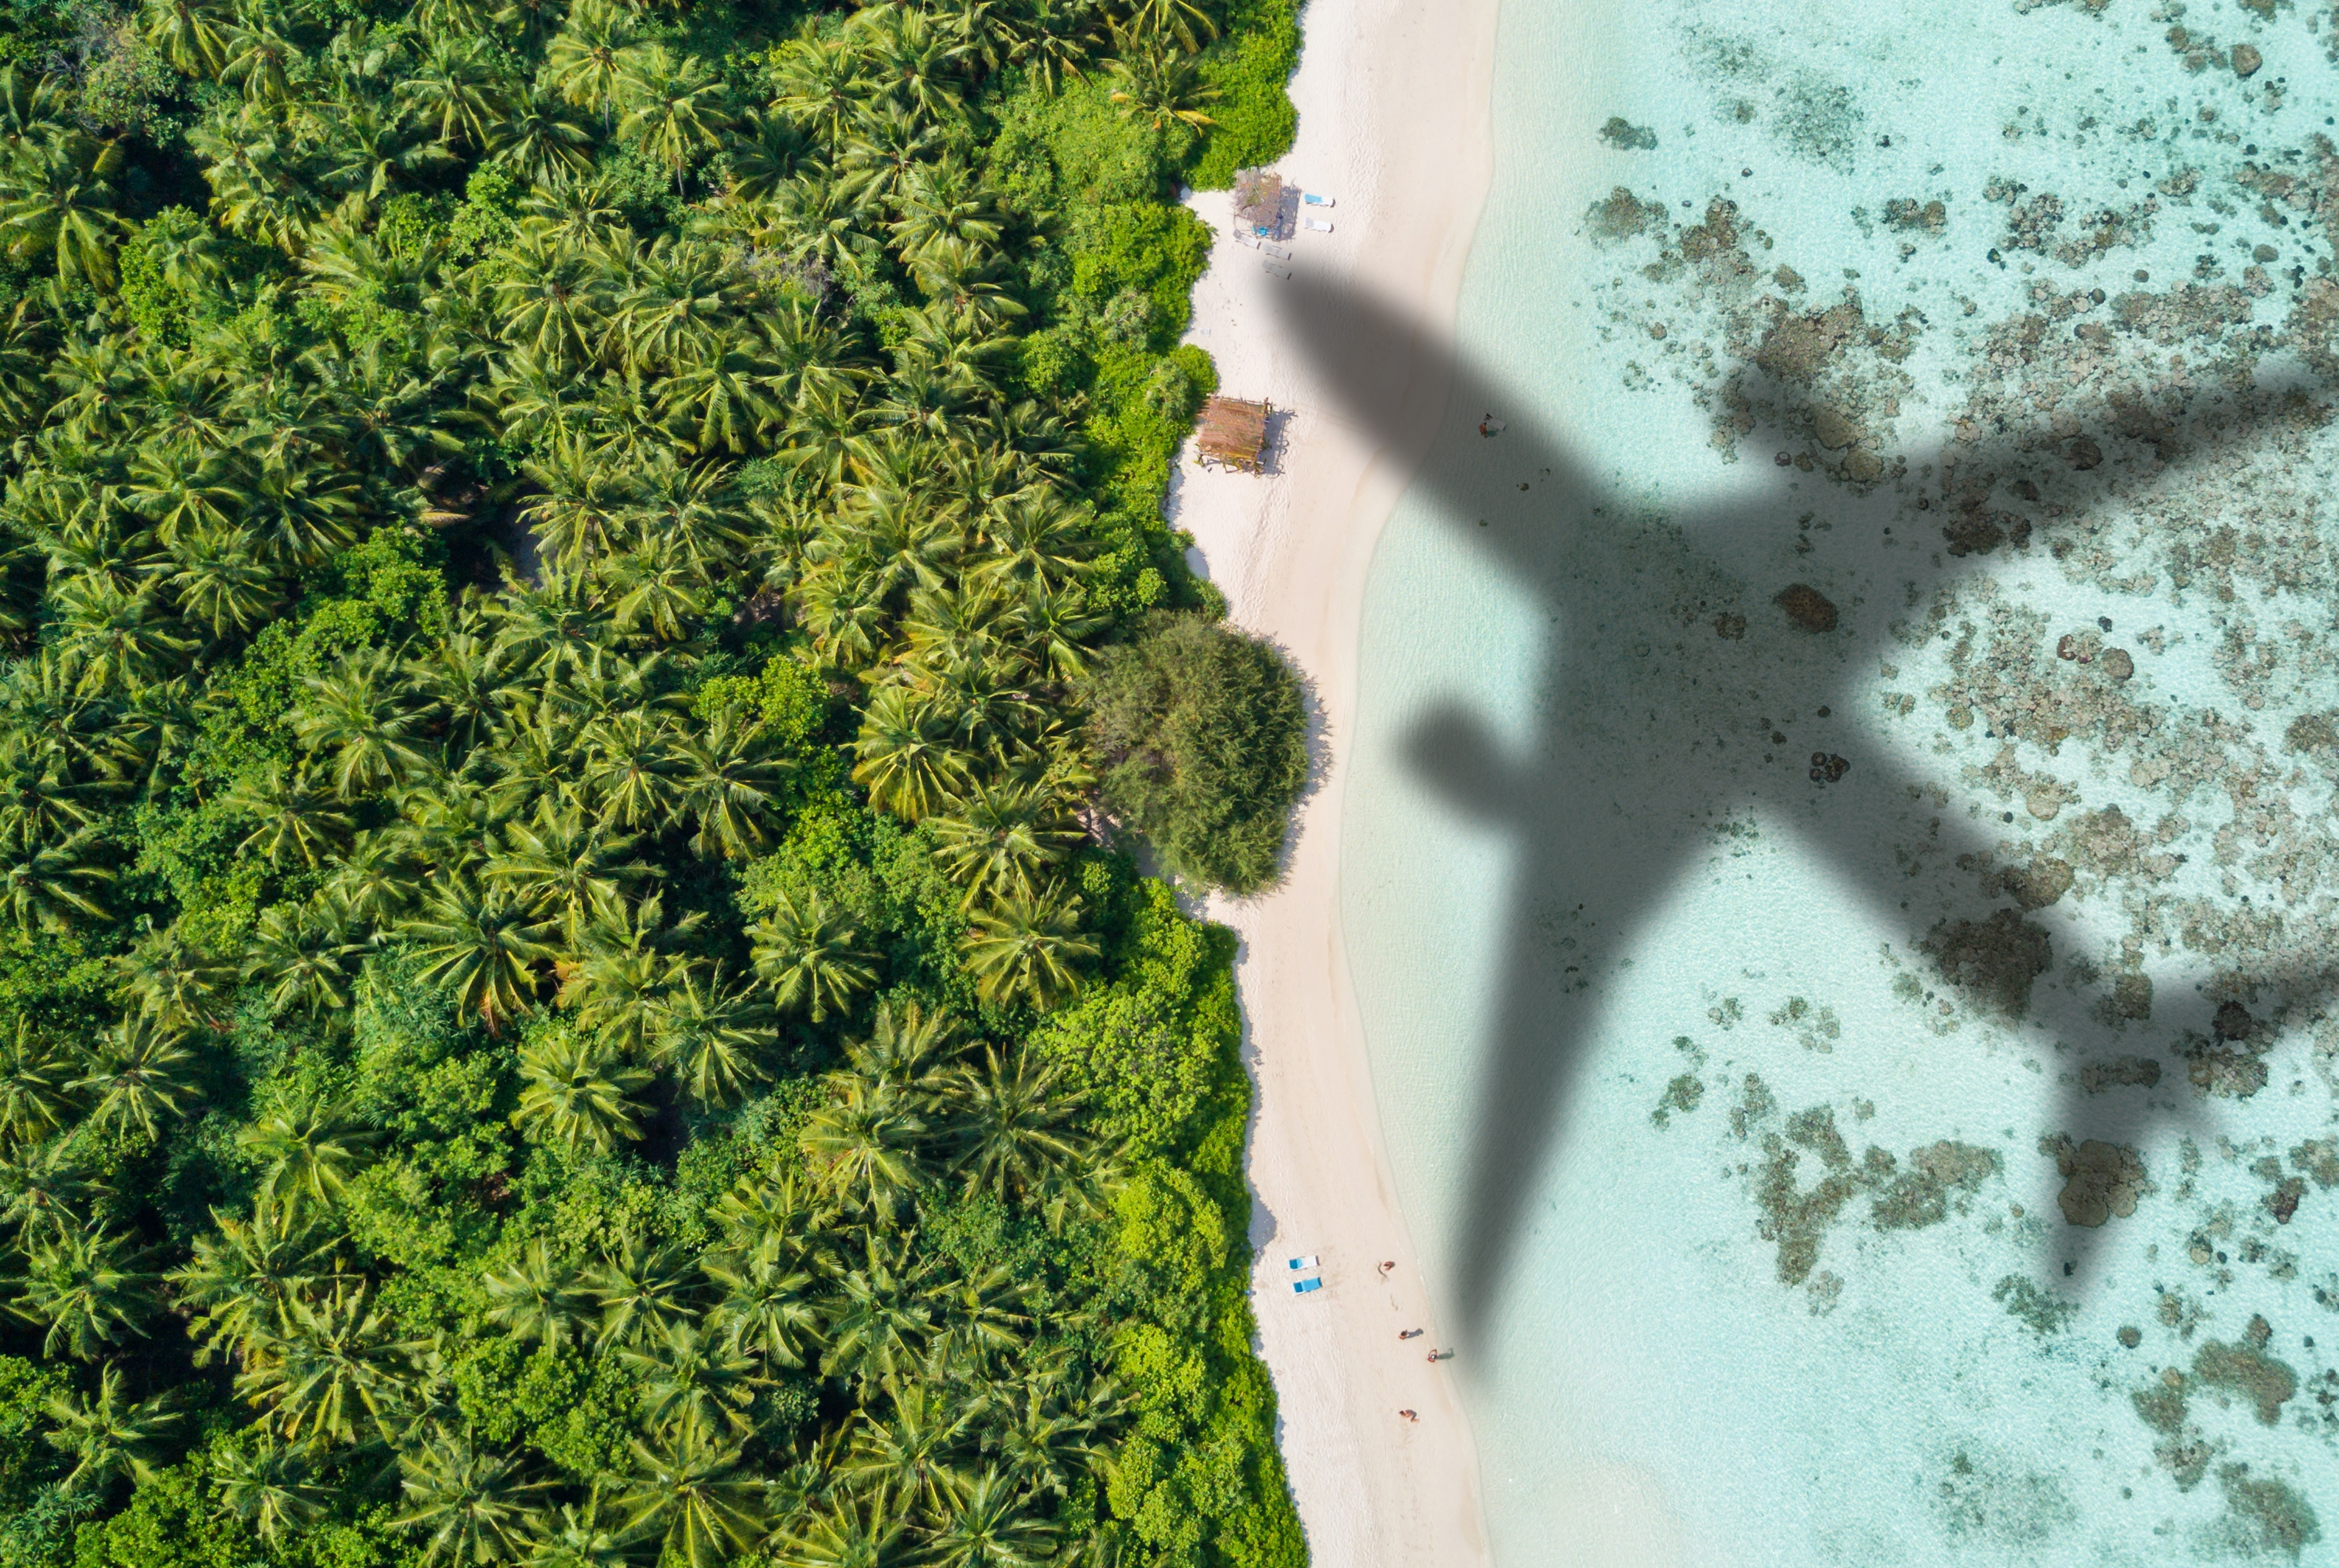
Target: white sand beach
[(1393, 99)]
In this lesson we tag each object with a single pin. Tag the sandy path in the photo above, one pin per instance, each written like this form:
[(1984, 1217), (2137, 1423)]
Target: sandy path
[(1394, 123)]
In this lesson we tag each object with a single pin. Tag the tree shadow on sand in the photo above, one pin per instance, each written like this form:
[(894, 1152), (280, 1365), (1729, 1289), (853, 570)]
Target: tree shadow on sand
[(1608, 808)]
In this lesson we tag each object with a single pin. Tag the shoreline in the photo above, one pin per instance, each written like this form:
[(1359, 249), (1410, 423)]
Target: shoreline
[(1394, 123)]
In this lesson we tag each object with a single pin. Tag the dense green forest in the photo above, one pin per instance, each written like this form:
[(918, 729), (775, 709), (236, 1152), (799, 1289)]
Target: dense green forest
[(586, 640)]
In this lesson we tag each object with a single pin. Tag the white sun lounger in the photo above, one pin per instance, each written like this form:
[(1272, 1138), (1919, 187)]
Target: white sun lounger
[(1275, 271), (1320, 226), (1309, 1261), (1280, 252)]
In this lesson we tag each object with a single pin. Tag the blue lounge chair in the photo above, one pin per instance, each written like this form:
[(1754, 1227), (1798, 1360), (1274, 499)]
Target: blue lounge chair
[(1305, 1286), (1308, 1261)]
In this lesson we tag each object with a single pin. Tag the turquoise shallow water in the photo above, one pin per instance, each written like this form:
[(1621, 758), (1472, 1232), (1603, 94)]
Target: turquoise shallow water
[(1738, 1113)]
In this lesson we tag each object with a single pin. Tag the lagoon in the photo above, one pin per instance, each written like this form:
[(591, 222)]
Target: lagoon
[(1741, 1115)]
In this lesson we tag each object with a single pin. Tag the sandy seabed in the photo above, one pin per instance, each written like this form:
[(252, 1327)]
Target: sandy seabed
[(1394, 104)]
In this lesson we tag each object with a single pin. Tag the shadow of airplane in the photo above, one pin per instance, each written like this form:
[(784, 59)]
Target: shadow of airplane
[(1613, 803)]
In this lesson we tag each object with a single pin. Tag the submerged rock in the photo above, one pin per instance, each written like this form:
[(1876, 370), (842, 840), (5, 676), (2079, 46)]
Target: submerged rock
[(2100, 1181), (2246, 60), (1993, 961), (2125, 1072), (2246, 1370), (1623, 133), (1806, 607), (2035, 886), (1833, 430)]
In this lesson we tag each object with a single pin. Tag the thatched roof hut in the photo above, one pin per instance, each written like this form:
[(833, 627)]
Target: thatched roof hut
[(1265, 204), (1232, 432)]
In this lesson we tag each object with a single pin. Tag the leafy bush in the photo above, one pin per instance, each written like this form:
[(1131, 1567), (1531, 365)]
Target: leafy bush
[(1254, 122), (1208, 740)]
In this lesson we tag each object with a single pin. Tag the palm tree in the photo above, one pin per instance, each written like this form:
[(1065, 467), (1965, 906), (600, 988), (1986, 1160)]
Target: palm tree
[(1180, 19), (1001, 840), (845, 1533), (169, 978), (258, 57), (109, 1436), (116, 641), (888, 147), (583, 1535), (579, 1090), (690, 1491), (369, 148), (1056, 38), (910, 59), (89, 1289), (553, 307), (674, 107), (862, 1145), (635, 769), (471, 1507), (366, 715), (268, 1485), (565, 866), (469, 686), (221, 582), (33, 1076), (694, 1385), (905, 1048), (46, 1191), (906, 1460), (642, 1291), (59, 203), (587, 61), (734, 770), (821, 85), (1046, 1443), (303, 955), (987, 1525), (810, 953), (1158, 84), (880, 1320), (190, 33), (481, 944), (903, 756), (656, 588), (540, 143), (140, 1072), (454, 92), (763, 1309), (712, 1037), (242, 1285), (334, 1374), (536, 1296), (622, 975), (1025, 949), (307, 1149), (1011, 1124), (294, 818)]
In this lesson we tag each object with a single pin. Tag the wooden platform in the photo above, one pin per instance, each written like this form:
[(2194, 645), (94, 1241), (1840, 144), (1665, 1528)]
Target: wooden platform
[(1232, 432)]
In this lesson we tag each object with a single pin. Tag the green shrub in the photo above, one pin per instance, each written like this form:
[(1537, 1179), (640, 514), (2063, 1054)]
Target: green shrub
[(1208, 740), (1254, 122)]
